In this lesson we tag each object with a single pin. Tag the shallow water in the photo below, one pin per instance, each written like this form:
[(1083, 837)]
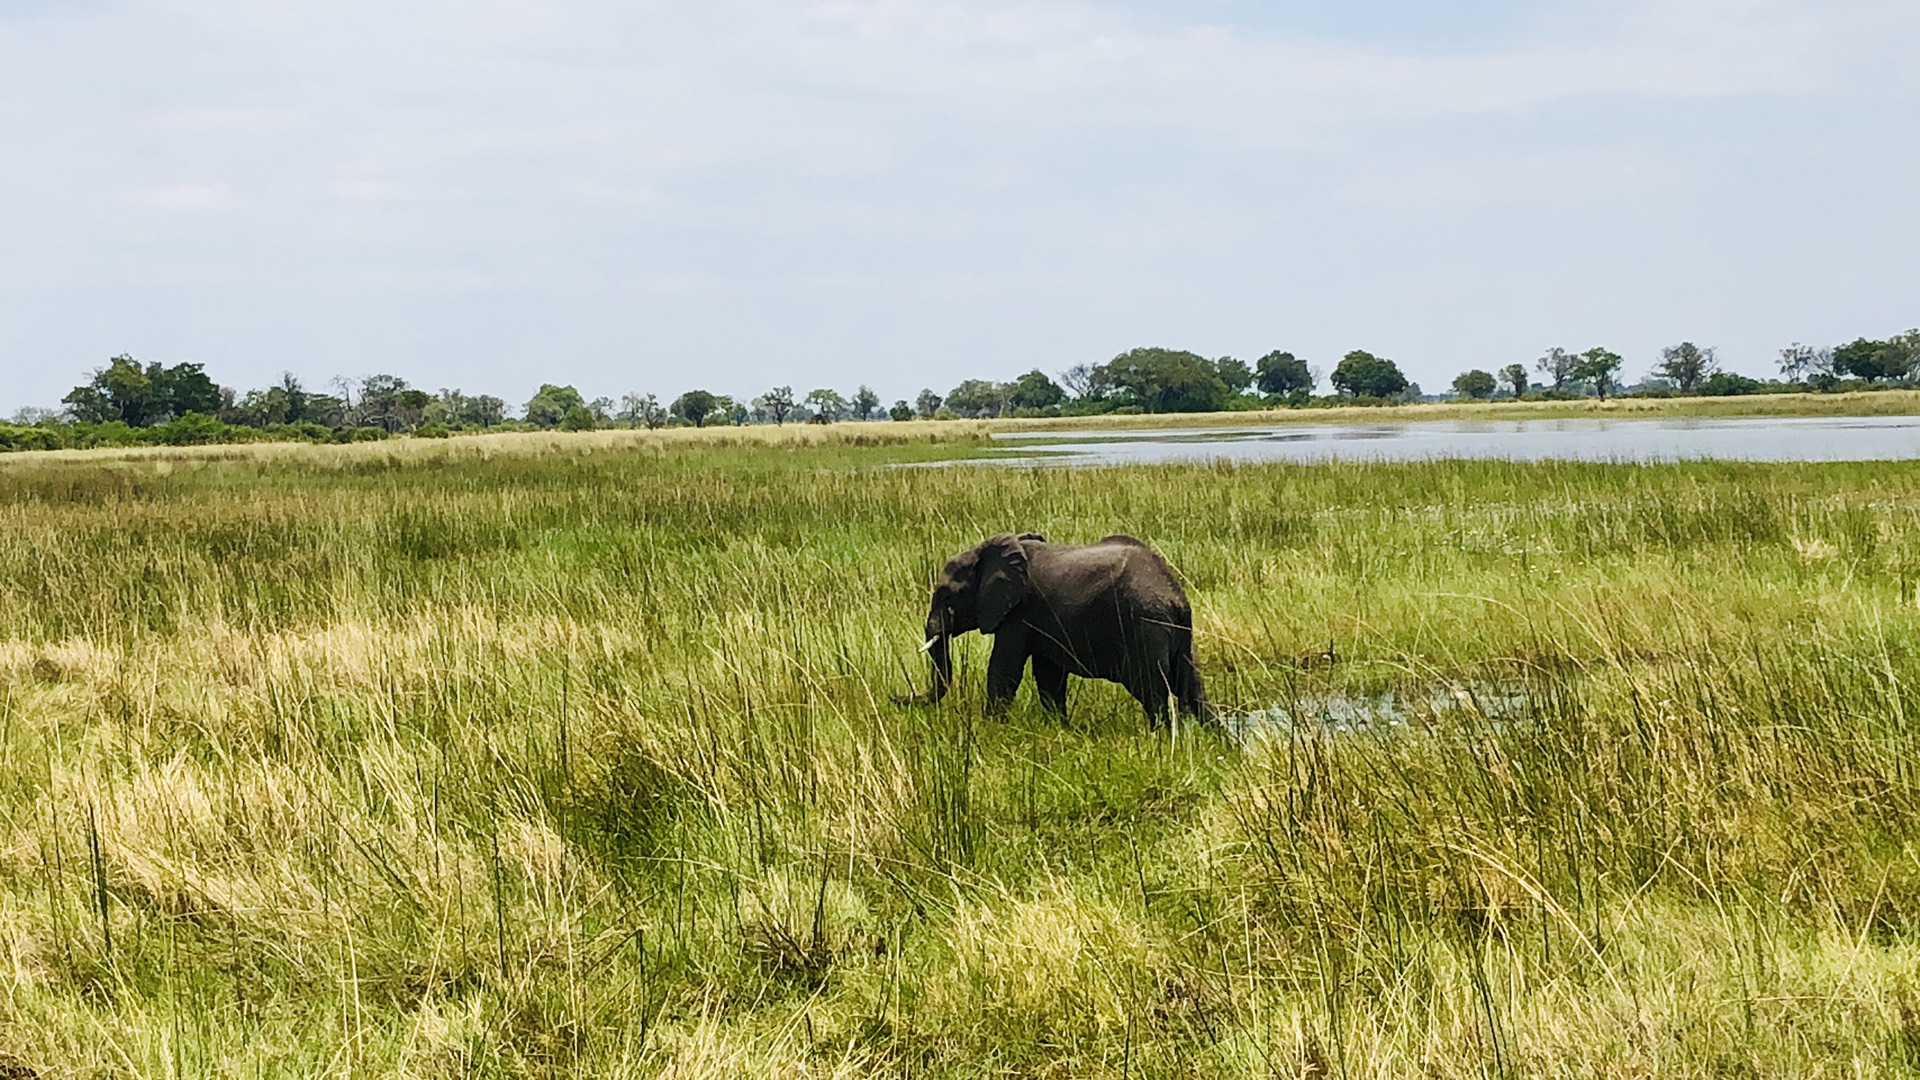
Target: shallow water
[(1856, 438), (1384, 713)]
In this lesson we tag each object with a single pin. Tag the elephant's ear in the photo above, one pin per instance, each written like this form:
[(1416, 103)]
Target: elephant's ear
[(1003, 580)]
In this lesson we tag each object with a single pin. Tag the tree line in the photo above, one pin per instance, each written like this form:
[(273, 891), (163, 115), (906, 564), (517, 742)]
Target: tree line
[(1687, 369), (126, 402)]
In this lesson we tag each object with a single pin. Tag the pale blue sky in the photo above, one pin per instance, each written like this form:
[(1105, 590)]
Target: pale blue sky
[(650, 196)]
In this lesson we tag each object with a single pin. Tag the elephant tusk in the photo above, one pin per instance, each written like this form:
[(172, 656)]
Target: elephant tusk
[(931, 642)]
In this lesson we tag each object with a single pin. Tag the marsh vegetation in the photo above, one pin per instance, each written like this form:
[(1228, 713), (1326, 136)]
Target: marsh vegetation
[(575, 755)]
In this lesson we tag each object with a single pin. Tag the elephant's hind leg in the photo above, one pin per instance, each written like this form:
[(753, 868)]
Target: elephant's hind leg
[(1152, 692), (1153, 674), (1190, 691), (1051, 680)]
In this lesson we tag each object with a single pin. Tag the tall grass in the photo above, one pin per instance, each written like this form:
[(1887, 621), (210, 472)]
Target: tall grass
[(573, 757)]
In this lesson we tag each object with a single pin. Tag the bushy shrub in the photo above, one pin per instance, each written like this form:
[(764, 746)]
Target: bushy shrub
[(1728, 384), (305, 431), (196, 429), (1088, 406), (23, 437), (111, 433)]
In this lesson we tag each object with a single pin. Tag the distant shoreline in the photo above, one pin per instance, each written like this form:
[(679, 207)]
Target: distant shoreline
[(1854, 403), (949, 432)]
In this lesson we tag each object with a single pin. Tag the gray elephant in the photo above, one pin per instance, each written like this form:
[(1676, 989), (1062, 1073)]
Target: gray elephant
[(1110, 610)]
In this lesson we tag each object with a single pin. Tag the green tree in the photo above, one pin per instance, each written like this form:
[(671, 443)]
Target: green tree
[(1557, 366), (142, 397), (380, 404), (483, 410), (446, 406), (1362, 374), (643, 410), (120, 391), (327, 410), (1728, 384), (548, 407), (1598, 366), (776, 404), (1860, 359), (1686, 364), (299, 401), (1167, 380), (410, 407), (185, 388), (927, 404), (578, 418), (1515, 376), (1476, 384), (260, 408), (1907, 350), (634, 407), (901, 410), (827, 405), (977, 398), (1234, 374), (1879, 361), (1283, 373), (865, 403), (1035, 391), (286, 402), (695, 406)]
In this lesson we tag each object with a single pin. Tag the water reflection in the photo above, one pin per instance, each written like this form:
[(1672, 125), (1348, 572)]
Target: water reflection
[(1858, 438)]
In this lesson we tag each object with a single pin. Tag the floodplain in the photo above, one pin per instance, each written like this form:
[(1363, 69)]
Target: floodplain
[(578, 756)]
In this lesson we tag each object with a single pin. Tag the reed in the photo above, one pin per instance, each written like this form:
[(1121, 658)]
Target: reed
[(578, 756)]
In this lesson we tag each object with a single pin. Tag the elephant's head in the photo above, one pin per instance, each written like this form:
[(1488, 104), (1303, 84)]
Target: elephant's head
[(976, 591)]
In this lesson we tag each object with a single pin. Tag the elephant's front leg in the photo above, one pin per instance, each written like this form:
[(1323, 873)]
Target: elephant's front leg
[(1050, 678), (1005, 667)]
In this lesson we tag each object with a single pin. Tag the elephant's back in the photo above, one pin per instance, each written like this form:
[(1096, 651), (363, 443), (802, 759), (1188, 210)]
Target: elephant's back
[(1148, 579), (1117, 564)]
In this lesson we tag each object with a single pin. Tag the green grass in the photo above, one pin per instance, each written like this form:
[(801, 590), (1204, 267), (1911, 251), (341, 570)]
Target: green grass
[(576, 756)]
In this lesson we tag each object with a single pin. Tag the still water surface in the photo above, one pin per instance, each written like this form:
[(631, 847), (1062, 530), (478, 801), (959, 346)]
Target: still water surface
[(1852, 438)]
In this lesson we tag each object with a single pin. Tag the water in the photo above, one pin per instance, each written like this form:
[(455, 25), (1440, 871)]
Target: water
[(1384, 713), (1850, 438)]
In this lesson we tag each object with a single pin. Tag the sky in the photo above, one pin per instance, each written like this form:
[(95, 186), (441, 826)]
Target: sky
[(631, 196)]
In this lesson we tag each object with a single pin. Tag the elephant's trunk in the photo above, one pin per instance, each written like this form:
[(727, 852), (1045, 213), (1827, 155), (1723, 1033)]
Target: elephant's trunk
[(938, 653)]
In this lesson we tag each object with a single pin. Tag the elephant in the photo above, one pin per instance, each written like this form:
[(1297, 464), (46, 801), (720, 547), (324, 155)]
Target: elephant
[(1110, 610)]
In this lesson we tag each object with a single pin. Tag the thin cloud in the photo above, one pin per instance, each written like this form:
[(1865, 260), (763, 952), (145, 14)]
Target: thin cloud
[(185, 198), (774, 173)]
